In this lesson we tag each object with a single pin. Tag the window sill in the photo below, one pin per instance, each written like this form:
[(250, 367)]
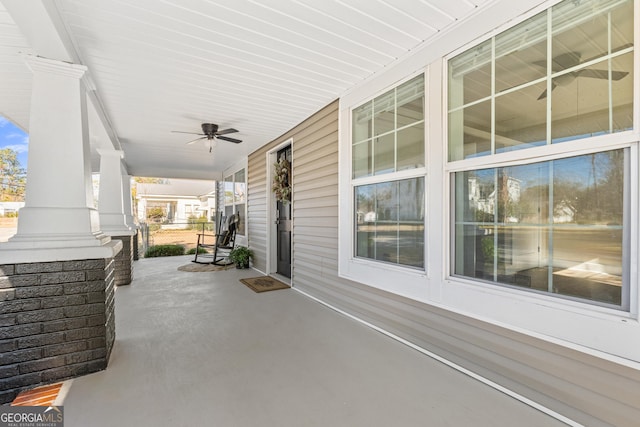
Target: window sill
[(551, 301), (404, 281)]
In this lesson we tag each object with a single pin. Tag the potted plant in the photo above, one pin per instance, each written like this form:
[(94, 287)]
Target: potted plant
[(241, 256)]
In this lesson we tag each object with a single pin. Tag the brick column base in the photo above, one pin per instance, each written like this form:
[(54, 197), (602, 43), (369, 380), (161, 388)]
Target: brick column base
[(56, 322), (124, 260)]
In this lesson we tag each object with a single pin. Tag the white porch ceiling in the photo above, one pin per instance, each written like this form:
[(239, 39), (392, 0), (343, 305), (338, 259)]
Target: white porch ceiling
[(258, 66)]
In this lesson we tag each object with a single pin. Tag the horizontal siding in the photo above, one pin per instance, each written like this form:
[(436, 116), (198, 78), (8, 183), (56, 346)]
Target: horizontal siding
[(323, 126), (588, 389)]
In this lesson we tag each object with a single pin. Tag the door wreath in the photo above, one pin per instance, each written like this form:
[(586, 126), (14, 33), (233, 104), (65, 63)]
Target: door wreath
[(282, 181)]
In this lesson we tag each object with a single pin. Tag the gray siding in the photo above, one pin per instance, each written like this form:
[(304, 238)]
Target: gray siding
[(586, 388)]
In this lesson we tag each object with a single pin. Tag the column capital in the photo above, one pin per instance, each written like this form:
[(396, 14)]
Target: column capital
[(52, 66)]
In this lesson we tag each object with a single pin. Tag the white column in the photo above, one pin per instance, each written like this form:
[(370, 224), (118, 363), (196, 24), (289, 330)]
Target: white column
[(126, 199), (111, 200), (58, 221)]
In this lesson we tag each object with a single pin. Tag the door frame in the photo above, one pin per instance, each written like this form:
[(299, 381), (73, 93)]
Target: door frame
[(272, 233)]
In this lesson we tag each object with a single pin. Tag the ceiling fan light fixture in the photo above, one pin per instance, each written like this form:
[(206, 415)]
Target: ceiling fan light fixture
[(210, 133), (209, 129)]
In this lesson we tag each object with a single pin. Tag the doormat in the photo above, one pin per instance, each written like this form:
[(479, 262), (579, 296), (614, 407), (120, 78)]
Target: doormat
[(264, 284), (197, 268)]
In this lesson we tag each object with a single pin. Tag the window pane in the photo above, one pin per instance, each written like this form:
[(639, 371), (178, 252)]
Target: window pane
[(365, 221), (522, 233), (588, 227), (411, 222), (470, 132), (228, 190), (518, 128), (579, 31), (362, 122), (581, 101), (622, 94), (595, 99), (475, 198), (410, 101), (384, 117), (387, 222), (574, 249), (521, 53), (239, 176), (390, 222), (240, 191), (622, 26), (242, 223), (585, 99), (470, 75), (362, 159), (228, 211), (399, 113), (411, 147), (384, 158)]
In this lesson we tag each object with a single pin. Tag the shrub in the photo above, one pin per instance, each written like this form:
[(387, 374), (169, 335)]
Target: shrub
[(192, 251), (164, 250)]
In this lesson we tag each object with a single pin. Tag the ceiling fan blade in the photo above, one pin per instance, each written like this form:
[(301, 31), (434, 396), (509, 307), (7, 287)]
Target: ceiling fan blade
[(197, 139), (602, 74), (226, 138), (617, 75), (544, 93), (190, 133), (594, 74), (226, 131), (565, 60)]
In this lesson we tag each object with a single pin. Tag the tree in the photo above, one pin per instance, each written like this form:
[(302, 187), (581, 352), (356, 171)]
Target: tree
[(12, 176)]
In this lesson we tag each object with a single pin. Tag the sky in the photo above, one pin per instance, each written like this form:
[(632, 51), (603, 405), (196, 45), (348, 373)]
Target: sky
[(13, 137)]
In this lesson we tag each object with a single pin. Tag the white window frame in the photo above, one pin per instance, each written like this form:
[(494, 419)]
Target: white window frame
[(240, 238), (600, 331), (627, 139), (396, 278)]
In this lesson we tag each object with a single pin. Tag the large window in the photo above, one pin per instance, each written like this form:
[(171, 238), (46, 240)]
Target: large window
[(555, 226), (235, 198), (564, 74), (388, 158)]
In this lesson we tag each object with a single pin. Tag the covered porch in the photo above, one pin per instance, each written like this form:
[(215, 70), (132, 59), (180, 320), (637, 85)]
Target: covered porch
[(203, 349), (364, 337)]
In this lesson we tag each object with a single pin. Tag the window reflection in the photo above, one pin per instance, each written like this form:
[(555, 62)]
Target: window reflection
[(388, 132), (553, 226), (235, 194), (584, 82), (390, 222)]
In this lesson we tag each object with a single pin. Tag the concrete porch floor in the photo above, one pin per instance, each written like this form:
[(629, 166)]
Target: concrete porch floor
[(202, 349)]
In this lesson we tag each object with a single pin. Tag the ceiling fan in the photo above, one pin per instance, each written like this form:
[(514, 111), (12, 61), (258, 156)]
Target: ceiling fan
[(210, 132), (571, 59)]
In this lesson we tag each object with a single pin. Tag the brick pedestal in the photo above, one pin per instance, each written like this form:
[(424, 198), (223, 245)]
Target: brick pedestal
[(124, 260), (56, 322)]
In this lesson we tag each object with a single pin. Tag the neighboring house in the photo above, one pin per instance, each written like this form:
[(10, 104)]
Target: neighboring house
[(175, 201), (10, 208)]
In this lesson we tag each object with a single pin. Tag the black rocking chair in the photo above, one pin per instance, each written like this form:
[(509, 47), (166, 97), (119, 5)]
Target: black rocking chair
[(223, 242)]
